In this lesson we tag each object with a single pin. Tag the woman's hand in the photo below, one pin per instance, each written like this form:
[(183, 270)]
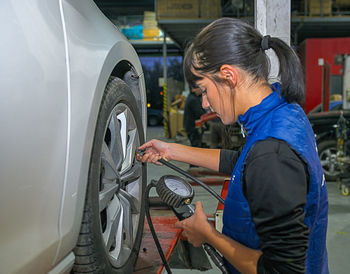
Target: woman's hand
[(155, 150), (196, 228)]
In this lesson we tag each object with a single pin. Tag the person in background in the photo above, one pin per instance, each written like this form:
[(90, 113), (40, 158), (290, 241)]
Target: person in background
[(276, 209), (192, 112)]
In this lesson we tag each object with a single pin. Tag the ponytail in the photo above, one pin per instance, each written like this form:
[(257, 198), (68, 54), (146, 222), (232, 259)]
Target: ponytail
[(290, 71)]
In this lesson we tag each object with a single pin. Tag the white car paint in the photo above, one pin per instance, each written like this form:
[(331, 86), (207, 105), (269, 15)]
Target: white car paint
[(56, 58)]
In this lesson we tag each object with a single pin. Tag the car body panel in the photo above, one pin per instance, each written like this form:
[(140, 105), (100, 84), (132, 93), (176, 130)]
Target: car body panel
[(33, 139), (57, 57), (94, 53)]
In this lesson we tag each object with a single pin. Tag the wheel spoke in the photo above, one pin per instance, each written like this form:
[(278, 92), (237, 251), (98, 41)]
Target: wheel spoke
[(130, 148), (116, 141), (129, 138), (113, 232), (127, 221), (107, 193), (324, 163), (110, 168), (132, 174), (133, 202), (123, 130)]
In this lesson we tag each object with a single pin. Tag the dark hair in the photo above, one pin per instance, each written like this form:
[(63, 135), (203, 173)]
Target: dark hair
[(234, 42)]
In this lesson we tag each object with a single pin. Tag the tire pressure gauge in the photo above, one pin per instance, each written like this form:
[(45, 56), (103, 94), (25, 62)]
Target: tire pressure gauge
[(174, 190)]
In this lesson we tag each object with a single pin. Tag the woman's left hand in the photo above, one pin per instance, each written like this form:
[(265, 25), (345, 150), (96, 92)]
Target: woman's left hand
[(196, 228)]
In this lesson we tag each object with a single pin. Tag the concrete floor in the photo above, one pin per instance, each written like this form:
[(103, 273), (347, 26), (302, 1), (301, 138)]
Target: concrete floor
[(338, 236)]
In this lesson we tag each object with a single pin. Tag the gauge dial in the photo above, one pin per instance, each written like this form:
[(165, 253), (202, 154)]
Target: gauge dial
[(177, 187), (174, 190)]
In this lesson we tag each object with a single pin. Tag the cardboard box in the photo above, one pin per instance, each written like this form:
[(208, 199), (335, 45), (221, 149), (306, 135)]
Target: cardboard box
[(150, 24), (180, 121), (175, 9), (315, 7), (342, 3), (175, 125), (210, 8), (149, 15), (172, 126)]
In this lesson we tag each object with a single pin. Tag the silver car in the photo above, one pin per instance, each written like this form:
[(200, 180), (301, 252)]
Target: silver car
[(72, 113)]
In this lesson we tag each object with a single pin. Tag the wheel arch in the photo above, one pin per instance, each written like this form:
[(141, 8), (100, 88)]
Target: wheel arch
[(126, 71)]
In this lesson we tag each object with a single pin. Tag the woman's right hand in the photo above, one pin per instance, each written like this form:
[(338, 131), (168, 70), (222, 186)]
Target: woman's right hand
[(155, 150)]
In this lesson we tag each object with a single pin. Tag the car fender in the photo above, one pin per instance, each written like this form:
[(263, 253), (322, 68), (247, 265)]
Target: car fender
[(93, 56)]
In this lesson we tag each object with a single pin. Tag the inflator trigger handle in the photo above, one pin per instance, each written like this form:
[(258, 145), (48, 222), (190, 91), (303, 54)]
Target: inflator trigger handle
[(186, 211)]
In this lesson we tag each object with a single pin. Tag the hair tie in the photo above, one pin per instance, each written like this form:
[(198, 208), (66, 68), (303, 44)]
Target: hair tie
[(265, 42)]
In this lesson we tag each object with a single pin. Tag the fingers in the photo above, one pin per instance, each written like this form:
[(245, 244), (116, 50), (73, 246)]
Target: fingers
[(193, 237), (179, 224), (149, 156), (199, 206), (199, 210), (146, 145), (152, 152)]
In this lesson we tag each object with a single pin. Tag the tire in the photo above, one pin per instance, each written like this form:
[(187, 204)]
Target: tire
[(327, 151), (113, 217)]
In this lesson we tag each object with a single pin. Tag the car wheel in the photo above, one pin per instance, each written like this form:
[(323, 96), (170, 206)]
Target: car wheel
[(327, 151), (113, 217), (152, 121)]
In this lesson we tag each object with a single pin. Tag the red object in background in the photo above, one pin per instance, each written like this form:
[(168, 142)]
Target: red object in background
[(223, 194), (325, 86), (311, 50), (149, 260), (205, 118)]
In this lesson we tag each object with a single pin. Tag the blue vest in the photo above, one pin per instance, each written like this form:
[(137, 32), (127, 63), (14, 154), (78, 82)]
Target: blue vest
[(275, 118)]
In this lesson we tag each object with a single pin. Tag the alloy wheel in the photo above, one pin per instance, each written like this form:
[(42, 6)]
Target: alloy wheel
[(329, 163), (120, 185)]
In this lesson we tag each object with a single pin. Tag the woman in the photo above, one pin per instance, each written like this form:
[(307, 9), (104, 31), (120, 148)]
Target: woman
[(275, 215)]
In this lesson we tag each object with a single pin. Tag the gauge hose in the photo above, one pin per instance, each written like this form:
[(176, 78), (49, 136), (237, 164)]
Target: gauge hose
[(214, 255), (151, 227)]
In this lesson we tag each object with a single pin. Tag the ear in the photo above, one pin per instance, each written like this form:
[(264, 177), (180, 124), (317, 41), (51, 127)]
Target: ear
[(229, 72)]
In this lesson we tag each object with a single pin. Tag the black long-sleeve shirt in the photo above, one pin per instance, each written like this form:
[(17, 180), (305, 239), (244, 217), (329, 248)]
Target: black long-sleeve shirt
[(275, 184), (192, 112)]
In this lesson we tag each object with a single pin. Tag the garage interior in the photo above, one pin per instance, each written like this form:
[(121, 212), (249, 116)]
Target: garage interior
[(319, 32), (87, 84)]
